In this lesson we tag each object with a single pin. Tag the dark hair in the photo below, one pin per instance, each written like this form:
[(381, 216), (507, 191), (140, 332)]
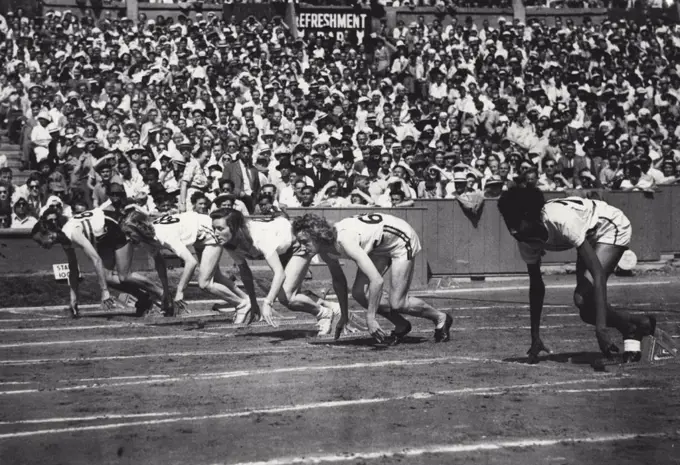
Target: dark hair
[(224, 182), (520, 203), (317, 227), (197, 196), (48, 223), (235, 220)]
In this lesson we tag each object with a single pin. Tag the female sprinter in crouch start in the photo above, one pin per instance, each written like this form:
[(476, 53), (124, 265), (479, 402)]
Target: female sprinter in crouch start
[(176, 233), (600, 233), (377, 243), (99, 235), (271, 239)]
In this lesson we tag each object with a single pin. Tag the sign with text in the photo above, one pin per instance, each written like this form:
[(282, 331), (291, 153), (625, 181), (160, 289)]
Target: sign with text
[(343, 24), (61, 271)]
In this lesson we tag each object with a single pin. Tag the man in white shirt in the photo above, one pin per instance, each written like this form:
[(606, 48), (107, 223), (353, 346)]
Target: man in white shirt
[(20, 218)]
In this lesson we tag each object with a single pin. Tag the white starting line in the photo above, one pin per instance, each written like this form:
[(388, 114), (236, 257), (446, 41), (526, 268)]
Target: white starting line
[(419, 293), (448, 449), (488, 390)]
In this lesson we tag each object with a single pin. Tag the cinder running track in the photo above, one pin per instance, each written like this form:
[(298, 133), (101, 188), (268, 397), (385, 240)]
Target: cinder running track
[(119, 390)]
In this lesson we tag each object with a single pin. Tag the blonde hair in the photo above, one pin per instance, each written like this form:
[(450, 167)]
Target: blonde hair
[(139, 222)]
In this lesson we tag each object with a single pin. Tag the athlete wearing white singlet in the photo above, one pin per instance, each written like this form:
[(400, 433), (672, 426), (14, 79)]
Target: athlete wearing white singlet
[(178, 232), (377, 243), (571, 221), (600, 234), (98, 233), (379, 234), (101, 230), (269, 235), (184, 229)]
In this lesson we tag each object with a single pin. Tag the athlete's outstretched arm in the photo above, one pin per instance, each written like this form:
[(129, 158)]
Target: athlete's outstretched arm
[(274, 262), (73, 276), (375, 286), (162, 270), (78, 239), (341, 291), (536, 298), (247, 279), (594, 266)]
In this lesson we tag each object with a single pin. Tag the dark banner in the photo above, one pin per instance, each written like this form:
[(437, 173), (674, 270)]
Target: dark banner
[(344, 24), (240, 11)]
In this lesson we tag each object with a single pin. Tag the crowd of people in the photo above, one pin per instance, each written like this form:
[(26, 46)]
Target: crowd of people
[(193, 114)]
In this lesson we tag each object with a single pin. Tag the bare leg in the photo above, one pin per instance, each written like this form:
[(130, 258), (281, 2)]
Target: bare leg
[(210, 278), (609, 256), (401, 278), (123, 263), (360, 294), (290, 295), (134, 284)]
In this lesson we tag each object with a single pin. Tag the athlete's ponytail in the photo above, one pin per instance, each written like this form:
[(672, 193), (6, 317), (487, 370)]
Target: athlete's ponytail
[(138, 222)]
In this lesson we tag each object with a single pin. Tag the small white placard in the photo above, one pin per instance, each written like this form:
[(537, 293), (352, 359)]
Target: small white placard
[(61, 271)]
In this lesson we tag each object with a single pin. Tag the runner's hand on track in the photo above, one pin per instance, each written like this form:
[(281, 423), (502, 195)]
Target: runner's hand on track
[(606, 345), (73, 311), (267, 313), (375, 330), (167, 305), (537, 347), (342, 322), (109, 303)]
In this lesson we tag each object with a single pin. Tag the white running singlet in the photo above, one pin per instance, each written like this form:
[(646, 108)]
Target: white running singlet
[(269, 235), (93, 224), (184, 229), (572, 220), (379, 234)]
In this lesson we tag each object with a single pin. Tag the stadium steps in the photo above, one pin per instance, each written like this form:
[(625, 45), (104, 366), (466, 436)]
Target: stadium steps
[(13, 153)]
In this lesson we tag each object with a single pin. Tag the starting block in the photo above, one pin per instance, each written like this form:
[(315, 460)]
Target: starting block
[(126, 300), (659, 348)]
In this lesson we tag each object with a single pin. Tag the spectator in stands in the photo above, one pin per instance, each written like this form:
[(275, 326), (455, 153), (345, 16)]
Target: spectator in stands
[(20, 218), (5, 218), (529, 103)]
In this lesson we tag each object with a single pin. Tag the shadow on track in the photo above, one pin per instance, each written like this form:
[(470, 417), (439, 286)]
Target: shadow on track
[(574, 358), (283, 335), (364, 341)]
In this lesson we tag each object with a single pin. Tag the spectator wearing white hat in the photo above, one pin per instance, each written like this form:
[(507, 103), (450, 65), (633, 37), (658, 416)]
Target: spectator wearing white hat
[(41, 137)]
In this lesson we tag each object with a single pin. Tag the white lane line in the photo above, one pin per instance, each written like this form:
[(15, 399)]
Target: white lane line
[(419, 293), (207, 335), (69, 328), (30, 320), (417, 451), (108, 416), (605, 390), (230, 353), (550, 286), (192, 377), (106, 340), (416, 396), (313, 406)]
